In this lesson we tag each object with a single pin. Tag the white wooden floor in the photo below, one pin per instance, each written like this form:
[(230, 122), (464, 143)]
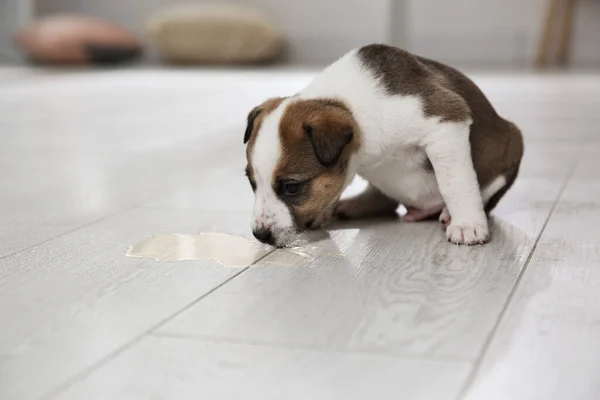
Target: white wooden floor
[(92, 162)]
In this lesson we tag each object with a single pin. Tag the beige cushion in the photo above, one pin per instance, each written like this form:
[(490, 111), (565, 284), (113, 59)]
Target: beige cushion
[(214, 34), (74, 39)]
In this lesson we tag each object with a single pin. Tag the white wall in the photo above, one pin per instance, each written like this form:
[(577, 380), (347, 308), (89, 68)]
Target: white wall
[(13, 13), (322, 30), (494, 31)]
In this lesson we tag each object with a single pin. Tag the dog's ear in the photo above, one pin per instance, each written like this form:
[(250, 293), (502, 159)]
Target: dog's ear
[(329, 138), (250, 124)]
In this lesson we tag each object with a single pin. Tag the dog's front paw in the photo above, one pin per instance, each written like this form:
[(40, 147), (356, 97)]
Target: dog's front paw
[(468, 233), (323, 219), (445, 217)]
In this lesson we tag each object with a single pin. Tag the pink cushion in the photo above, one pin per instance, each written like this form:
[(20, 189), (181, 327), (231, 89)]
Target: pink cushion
[(72, 39)]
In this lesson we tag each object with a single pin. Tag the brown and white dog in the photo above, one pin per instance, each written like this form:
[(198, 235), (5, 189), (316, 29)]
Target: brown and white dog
[(421, 133)]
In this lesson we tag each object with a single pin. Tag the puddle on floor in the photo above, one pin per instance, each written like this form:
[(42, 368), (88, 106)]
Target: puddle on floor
[(228, 250)]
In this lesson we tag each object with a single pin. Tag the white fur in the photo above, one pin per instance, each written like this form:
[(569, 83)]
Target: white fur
[(449, 151), (396, 138), (486, 194), (269, 211)]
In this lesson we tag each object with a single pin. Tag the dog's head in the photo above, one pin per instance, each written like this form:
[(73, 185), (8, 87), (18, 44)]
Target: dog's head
[(299, 154)]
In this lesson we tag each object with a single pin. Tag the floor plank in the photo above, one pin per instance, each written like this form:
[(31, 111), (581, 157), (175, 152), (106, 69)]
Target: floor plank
[(168, 368), (233, 193), (541, 158), (68, 303), (547, 344), (558, 129)]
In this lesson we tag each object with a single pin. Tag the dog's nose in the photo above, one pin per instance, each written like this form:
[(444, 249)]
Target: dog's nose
[(264, 235)]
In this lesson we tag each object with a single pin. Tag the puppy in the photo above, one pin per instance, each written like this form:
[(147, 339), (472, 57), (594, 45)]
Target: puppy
[(421, 133)]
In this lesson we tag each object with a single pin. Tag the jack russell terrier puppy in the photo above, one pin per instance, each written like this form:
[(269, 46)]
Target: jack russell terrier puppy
[(421, 133)]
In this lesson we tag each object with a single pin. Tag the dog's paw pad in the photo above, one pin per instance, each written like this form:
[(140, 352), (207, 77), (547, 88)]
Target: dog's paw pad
[(467, 233)]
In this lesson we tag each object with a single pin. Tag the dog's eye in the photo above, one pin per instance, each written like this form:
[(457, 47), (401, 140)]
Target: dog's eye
[(291, 188)]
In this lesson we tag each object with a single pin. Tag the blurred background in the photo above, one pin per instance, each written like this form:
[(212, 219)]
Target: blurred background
[(477, 33)]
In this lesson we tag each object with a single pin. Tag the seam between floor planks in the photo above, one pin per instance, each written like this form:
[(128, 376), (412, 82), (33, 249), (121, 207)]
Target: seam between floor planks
[(74, 229), (84, 225), (479, 360), (328, 349), (110, 356)]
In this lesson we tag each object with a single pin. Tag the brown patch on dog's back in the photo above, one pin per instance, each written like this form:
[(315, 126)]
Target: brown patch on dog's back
[(400, 72)]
